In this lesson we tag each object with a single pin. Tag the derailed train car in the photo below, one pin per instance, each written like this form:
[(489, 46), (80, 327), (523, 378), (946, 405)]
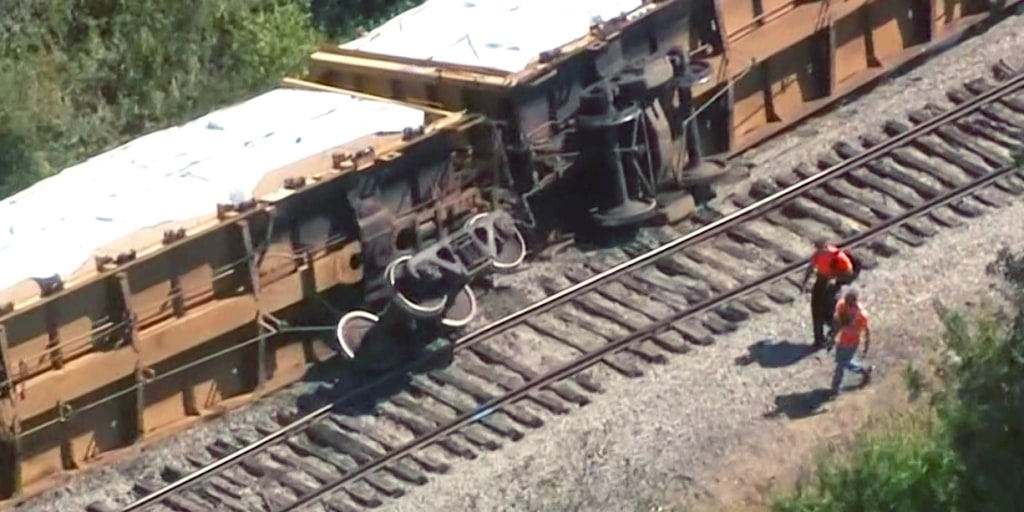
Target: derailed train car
[(154, 285), (637, 110), (148, 287)]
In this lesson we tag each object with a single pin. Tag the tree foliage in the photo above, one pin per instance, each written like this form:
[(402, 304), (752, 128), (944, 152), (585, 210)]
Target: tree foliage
[(965, 457), (78, 77)]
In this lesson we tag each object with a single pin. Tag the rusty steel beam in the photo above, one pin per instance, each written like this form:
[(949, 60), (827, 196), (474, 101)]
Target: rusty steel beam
[(252, 260)]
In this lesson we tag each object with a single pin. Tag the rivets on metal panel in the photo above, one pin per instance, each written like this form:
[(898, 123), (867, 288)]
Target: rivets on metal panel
[(367, 152), (173, 235), (295, 183), (409, 133), (49, 285), (225, 210), (106, 262), (343, 161)]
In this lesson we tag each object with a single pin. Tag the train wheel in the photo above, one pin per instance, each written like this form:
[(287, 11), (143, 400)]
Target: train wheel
[(372, 343), (425, 310), (510, 250), (461, 309), (352, 331)]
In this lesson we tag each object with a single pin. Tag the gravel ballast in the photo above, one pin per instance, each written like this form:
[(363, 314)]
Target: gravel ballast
[(652, 435), (661, 434)]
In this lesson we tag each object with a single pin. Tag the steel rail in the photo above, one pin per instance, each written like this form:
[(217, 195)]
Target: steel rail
[(574, 367), (513, 319)]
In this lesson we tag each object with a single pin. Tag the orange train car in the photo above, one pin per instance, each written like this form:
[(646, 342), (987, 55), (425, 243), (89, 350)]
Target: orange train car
[(157, 296)]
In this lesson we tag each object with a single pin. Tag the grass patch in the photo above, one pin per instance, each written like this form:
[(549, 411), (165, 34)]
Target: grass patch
[(898, 464)]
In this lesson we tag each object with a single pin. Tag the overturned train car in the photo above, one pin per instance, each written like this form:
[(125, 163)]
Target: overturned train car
[(368, 194), (634, 115), (161, 290)]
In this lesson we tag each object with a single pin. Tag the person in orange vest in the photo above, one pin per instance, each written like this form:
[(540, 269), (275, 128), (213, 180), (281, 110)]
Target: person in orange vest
[(850, 322), (835, 268)]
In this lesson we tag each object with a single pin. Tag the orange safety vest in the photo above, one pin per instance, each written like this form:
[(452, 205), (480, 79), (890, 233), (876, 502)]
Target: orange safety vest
[(832, 262), (852, 322)]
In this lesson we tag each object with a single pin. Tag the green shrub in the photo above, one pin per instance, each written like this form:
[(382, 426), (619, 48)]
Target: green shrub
[(984, 415), (15, 153), (340, 18), (903, 467), (79, 77)]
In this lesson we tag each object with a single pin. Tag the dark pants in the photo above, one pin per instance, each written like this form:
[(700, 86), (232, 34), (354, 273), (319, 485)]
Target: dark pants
[(846, 360), (824, 296)]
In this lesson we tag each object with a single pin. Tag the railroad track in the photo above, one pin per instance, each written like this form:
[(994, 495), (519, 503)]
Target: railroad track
[(879, 195)]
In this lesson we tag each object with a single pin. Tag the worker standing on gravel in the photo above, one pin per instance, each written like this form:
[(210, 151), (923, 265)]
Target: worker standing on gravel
[(850, 321), (835, 268)]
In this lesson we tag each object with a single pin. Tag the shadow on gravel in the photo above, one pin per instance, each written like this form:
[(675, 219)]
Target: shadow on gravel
[(338, 378), (775, 355), (800, 405), (330, 381)]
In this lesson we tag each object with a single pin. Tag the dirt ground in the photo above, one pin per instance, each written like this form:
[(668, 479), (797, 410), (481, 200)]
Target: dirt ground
[(786, 457), (778, 461)]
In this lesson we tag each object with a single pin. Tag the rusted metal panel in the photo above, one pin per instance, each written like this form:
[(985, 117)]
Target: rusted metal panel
[(897, 25), (58, 330), (854, 53)]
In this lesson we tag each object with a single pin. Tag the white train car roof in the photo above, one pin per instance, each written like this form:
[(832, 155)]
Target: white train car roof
[(504, 35), (176, 177)]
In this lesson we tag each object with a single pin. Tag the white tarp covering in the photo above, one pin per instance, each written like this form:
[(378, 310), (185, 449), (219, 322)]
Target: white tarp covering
[(177, 174), (497, 34)]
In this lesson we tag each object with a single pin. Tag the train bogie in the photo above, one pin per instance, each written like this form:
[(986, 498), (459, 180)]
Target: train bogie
[(429, 292)]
